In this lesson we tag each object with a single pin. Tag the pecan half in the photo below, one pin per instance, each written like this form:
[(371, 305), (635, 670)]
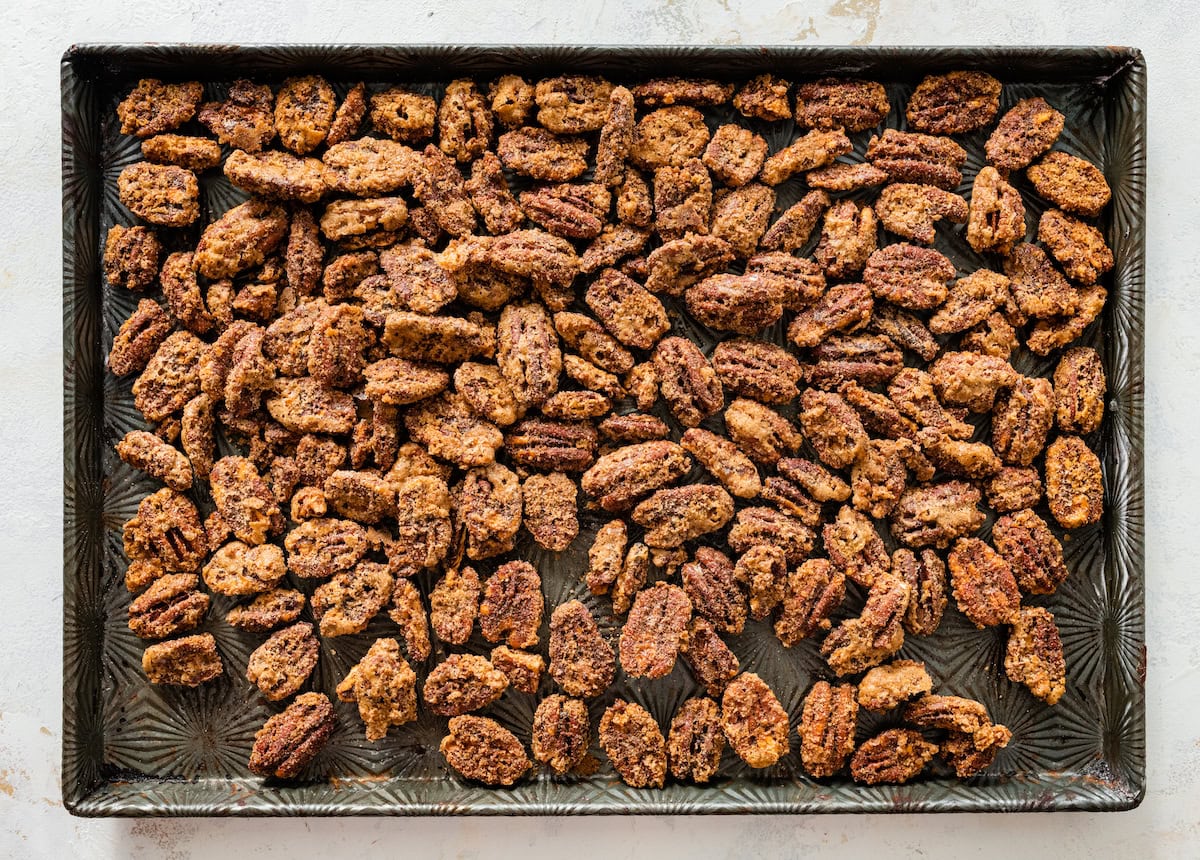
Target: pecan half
[(826, 728), (954, 103), (1034, 654), (581, 662), (291, 739), (921, 158), (679, 514), (560, 732), (512, 605), (654, 631), (754, 722), (1074, 483), (481, 749), (894, 755), (984, 586), (634, 744), (814, 591), (621, 477), (687, 381)]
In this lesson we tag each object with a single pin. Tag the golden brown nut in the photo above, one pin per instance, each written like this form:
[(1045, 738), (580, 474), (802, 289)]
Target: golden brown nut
[(634, 744), (1034, 655), (1074, 483), (481, 749), (755, 724), (827, 728)]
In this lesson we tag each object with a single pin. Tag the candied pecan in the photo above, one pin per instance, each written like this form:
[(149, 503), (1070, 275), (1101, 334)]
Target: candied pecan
[(166, 532), (532, 254), (1077, 246), (826, 728), (815, 149), (682, 199), (724, 461), (1037, 287), (859, 643), (1013, 488), (581, 662), (848, 238), (445, 340), (625, 475), (131, 257), (908, 276), (708, 580), (240, 239), (894, 755), (172, 604), (369, 167), (1022, 419), (290, 740), (855, 548), (847, 103), (186, 662), (481, 749), (762, 433), (347, 603), (413, 281), (528, 353), (463, 683), (1034, 655), (558, 446), (1028, 129), (152, 455), (577, 405), (633, 427), (687, 381), (438, 184), (194, 153), (994, 336), (812, 593), (398, 382), (744, 304), (740, 217), (676, 265), (682, 91), (949, 713), (634, 206), (1079, 387), (793, 228), (267, 611), (570, 104), (642, 382), (243, 500), (887, 687), (1070, 183), (1048, 335), (245, 120), (760, 525), (570, 210), (679, 514), (841, 176), (464, 121), (360, 222), (1074, 483), (490, 195), (512, 605), (153, 106), (734, 155), (360, 496), (754, 722), (881, 416), (654, 631), (936, 514), (971, 380), (422, 508), (668, 136), (814, 479), (162, 194), (1032, 551), (453, 605), (963, 459), (635, 570), (971, 754), (304, 111), (845, 307), (970, 301), (139, 338), (237, 570), (921, 158), (878, 477), (926, 576), (280, 666), (550, 512), (278, 175), (605, 556), (984, 586), (764, 97), (512, 100), (489, 508), (560, 732), (913, 393), (832, 427), (954, 103), (616, 138), (709, 658), (997, 217), (447, 427), (304, 405), (695, 741), (336, 345), (543, 155), (634, 744), (911, 211), (384, 686), (614, 243), (403, 115), (591, 377)]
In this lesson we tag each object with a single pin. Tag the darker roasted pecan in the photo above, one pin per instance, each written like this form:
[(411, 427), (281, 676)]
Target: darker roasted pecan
[(948, 713), (842, 176), (754, 722), (634, 744), (1034, 655), (481, 749), (793, 228), (682, 91), (735, 155), (826, 728), (801, 279), (188, 661), (814, 592), (904, 329), (832, 427), (757, 369), (881, 416), (710, 659), (911, 157), (926, 576), (139, 338), (687, 381), (677, 264), (868, 359), (1071, 183), (807, 152), (667, 137), (954, 103), (290, 740), (936, 514), (911, 210), (560, 733), (844, 308), (131, 257), (616, 137), (997, 218), (1037, 287), (1078, 247), (848, 103), (909, 276), (633, 427), (679, 514), (756, 526), (695, 741), (1028, 129), (1079, 387), (1022, 419), (581, 662), (971, 754), (556, 446), (573, 211), (540, 154), (623, 476), (172, 604), (983, 582), (1032, 551), (887, 687), (654, 631), (463, 683), (682, 199), (894, 755), (709, 582), (1074, 483), (615, 243), (512, 605)]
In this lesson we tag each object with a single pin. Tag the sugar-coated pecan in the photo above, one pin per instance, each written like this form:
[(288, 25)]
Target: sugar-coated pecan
[(625, 475), (245, 120), (1070, 183), (512, 605), (911, 211), (1032, 551), (169, 379), (679, 514), (1013, 488), (280, 666), (1078, 247), (528, 353), (921, 158), (557, 446), (954, 103), (814, 479), (814, 591), (734, 155), (724, 461), (926, 576), (909, 276), (855, 548), (936, 514), (152, 455), (997, 218), (745, 304), (879, 477), (971, 380), (240, 239), (188, 661), (635, 570), (581, 662), (894, 755), (481, 749), (832, 427), (634, 204), (754, 722), (826, 728), (970, 301), (695, 741), (403, 115), (794, 226), (560, 733), (880, 415), (842, 176), (550, 510), (1028, 129), (423, 525), (162, 194), (971, 754), (153, 107), (384, 686), (682, 91), (570, 104), (347, 603), (994, 336), (131, 257), (769, 526), (984, 586), (815, 149), (1034, 655), (956, 457), (236, 570), (291, 739), (886, 687), (450, 430), (848, 103), (172, 604), (763, 434), (844, 308), (654, 631), (461, 684), (710, 584), (668, 136), (511, 100), (244, 501), (912, 391), (687, 381), (1074, 483), (709, 658), (676, 265), (633, 427), (454, 604), (139, 338), (630, 313), (682, 198), (764, 97), (801, 279), (1079, 387), (615, 243), (605, 556), (634, 744), (1037, 287), (869, 359), (543, 155), (1048, 335), (167, 535), (1022, 419), (277, 175)]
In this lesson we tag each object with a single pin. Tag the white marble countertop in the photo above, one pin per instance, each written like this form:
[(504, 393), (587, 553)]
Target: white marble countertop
[(33, 36)]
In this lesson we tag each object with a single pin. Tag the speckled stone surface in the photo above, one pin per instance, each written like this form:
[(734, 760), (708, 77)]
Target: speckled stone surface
[(33, 36)]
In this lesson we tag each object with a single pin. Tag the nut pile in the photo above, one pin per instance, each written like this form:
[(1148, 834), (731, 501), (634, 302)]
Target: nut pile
[(436, 323)]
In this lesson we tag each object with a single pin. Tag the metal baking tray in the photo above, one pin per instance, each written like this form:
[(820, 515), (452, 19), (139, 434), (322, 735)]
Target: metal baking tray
[(133, 749)]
